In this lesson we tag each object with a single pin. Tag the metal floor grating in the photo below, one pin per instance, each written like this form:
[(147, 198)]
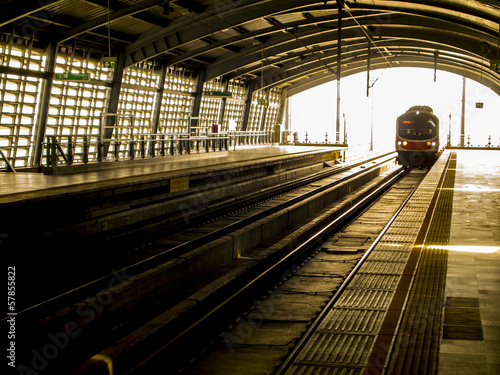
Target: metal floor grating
[(346, 338)]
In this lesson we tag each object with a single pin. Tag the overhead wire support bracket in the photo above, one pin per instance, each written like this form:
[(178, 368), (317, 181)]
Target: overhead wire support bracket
[(346, 7)]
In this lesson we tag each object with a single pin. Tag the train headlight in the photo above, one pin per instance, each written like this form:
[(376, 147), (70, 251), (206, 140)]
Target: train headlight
[(428, 143), (399, 143), (433, 144), (405, 143)]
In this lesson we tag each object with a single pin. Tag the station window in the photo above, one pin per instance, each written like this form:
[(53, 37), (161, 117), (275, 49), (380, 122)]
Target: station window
[(138, 96), (210, 106), (235, 107), (257, 106), (177, 101), (18, 99), (264, 110), (273, 107), (76, 107)]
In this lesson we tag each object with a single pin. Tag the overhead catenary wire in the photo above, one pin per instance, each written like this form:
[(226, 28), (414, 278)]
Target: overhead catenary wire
[(367, 35), (109, 31)]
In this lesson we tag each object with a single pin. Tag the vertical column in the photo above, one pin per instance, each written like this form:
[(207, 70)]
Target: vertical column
[(223, 105), (197, 98), (157, 110), (114, 97), (368, 67), (436, 55), (340, 4), (462, 128), (283, 110), (51, 54), (264, 111), (248, 105)]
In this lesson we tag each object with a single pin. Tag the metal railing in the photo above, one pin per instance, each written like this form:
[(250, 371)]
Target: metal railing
[(71, 149)]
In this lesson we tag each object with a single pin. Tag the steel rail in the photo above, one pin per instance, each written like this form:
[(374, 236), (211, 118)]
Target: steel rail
[(321, 316), (85, 290), (207, 322)]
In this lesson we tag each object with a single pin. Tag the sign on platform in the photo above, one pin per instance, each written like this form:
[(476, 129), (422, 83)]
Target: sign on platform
[(178, 184), (73, 76), (479, 105), (495, 64), (109, 62), (218, 94)]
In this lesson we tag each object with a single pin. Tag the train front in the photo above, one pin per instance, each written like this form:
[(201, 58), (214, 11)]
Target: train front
[(417, 137)]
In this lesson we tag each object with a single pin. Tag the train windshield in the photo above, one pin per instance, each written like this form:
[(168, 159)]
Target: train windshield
[(417, 127)]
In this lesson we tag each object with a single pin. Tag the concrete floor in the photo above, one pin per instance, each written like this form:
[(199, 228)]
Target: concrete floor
[(474, 262)]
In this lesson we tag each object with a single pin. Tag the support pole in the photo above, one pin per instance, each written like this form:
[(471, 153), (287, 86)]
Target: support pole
[(449, 133), (51, 54), (114, 97), (157, 110), (368, 67), (436, 54), (264, 111), (281, 111), (340, 4), (462, 128), (248, 105), (223, 106), (197, 99), (371, 123), (286, 119)]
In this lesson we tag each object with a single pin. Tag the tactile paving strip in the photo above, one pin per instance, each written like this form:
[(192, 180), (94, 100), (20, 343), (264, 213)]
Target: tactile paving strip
[(423, 314), (344, 346)]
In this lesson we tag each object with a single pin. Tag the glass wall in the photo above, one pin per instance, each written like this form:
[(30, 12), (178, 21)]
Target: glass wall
[(77, 108), (177, 101), (19, 95), (235, 107)]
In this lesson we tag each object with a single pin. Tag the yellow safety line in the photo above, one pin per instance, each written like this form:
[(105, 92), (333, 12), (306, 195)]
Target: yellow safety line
[(107, 360)]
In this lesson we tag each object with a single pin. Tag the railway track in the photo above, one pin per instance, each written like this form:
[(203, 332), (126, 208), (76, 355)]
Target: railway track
[(135, 248), (119, 300), (276, 318)]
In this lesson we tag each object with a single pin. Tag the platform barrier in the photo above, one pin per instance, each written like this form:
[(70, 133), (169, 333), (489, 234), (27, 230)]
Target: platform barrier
[(66, 150)]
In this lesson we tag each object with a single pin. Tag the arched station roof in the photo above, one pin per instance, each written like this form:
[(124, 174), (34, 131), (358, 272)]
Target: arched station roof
[(288, 44)]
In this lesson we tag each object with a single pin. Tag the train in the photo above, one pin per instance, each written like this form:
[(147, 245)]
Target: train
[(417, 137)]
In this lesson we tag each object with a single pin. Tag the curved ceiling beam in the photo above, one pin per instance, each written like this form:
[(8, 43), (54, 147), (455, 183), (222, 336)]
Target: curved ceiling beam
[(439, 32), (207, 27), (214, 20), (13, 11), (408, 61), (395, 47), (103, 20), (298, 36), (328, 54)]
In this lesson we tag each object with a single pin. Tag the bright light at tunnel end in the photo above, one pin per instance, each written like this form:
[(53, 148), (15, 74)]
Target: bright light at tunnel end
[(467, 249)]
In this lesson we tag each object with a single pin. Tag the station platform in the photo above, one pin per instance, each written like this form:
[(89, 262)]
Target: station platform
[(426, 300), (473, 269), (81, 177), (110, 200)]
